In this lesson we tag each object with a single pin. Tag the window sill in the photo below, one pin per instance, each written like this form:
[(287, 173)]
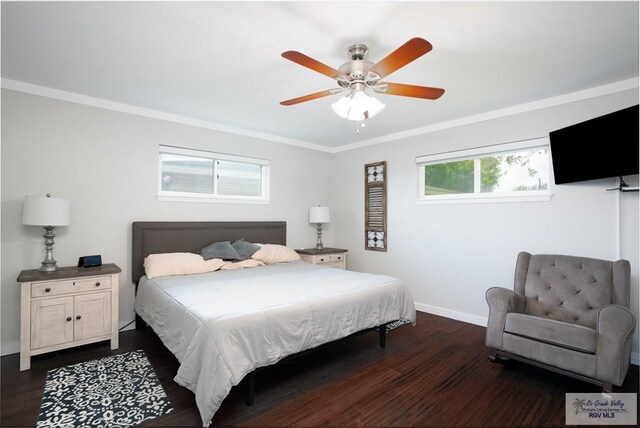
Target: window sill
[(543, 196), (212, 200)]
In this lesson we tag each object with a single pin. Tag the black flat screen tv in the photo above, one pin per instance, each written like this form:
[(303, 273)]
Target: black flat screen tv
[(606, 146)]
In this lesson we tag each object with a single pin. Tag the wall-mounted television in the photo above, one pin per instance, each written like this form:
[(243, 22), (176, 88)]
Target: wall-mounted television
[(606, 146)]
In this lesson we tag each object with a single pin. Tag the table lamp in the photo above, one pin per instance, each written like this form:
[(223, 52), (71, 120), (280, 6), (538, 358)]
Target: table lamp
[(47, 212), (319, 215)]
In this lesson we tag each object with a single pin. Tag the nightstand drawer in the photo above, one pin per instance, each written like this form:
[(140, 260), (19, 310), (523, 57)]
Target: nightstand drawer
[(329, 258), (57, 288), (339, 265)]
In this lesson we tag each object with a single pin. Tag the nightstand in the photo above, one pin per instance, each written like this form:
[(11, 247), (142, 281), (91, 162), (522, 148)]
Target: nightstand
[(331, 257), (65, 308)]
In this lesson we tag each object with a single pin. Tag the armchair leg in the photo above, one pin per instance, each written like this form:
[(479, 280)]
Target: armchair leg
[(607, 387)]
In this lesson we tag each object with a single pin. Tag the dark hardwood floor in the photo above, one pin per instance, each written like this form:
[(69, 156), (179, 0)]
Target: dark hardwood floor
[(434, 374)]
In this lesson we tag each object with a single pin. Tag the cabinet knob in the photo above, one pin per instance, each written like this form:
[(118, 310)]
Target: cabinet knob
[(321, 260), (97, 284), (46, 290), (78, 317), (68, 318), (339, 258)]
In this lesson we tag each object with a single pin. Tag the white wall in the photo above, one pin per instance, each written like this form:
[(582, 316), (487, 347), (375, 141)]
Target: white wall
[(105, 163), (448, 255)]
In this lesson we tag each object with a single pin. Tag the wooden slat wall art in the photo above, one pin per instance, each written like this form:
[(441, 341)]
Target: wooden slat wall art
[(375, 206)]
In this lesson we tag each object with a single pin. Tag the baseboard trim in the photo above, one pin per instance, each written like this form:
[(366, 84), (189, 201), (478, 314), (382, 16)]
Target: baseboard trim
[(478, 320), (448, 313)]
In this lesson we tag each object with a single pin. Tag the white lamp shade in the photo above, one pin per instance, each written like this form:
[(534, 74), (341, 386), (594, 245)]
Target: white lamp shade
[(375, 106), (359, 103), (319, 215), (43, 211), (341, 107)]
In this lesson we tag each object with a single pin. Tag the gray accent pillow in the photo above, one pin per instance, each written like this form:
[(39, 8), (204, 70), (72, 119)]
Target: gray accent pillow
[(244, 249), (219, 250)]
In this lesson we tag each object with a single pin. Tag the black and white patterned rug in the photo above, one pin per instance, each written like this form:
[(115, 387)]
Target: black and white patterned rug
[(394, 325), (117, 391)]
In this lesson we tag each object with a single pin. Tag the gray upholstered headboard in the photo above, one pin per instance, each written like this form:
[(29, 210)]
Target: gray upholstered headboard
[(152, 237)]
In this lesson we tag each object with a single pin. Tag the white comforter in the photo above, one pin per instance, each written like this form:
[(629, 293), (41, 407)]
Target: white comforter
[(222, 325)]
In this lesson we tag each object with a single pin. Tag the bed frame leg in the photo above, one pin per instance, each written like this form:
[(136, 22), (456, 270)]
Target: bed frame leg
[(139, 322), (249, 386), (383, 335)]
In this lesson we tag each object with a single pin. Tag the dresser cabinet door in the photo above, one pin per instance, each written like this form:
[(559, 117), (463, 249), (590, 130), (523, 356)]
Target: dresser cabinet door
[(51, 322), (92, 315)]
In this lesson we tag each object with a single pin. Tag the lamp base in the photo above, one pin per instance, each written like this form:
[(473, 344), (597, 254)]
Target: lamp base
[(319, 245), (49, 263), (48, 267)]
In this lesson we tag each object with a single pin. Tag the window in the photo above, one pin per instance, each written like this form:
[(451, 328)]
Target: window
[(187, 174), (515, 171)]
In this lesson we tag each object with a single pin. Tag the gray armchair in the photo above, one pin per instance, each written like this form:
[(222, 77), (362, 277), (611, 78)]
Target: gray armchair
[(567, 314)]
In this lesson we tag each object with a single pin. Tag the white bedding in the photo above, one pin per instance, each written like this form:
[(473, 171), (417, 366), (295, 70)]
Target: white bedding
[(222, 325)]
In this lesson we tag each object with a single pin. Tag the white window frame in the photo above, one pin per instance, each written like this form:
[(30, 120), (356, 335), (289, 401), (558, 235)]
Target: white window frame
[(168, 196), (477, 196)]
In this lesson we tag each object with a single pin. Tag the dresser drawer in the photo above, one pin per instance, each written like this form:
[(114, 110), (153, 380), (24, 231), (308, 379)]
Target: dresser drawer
[(329, 258), (56, 288)]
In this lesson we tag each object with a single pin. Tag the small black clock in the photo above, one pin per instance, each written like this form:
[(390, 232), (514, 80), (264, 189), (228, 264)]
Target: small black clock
[(90, 261)]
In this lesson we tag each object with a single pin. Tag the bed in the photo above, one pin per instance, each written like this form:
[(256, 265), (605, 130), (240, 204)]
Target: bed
[(223, 325)]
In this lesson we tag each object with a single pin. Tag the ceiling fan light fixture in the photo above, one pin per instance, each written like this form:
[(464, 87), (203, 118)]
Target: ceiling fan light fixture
[(357, 106)]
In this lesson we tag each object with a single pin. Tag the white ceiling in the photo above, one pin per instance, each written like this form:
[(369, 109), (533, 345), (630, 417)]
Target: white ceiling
[(220, 61)]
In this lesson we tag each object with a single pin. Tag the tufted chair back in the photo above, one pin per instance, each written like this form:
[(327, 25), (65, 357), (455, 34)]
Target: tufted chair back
[(570, 289)]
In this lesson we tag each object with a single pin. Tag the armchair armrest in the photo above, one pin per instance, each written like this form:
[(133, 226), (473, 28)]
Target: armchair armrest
[(501, 301), (615, 326)]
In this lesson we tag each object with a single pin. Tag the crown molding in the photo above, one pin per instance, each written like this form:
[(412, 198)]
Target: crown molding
[(73, 97), (584, 94), (44, 91)]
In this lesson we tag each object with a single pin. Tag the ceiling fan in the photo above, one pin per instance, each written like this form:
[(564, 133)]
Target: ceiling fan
[(359, 74)]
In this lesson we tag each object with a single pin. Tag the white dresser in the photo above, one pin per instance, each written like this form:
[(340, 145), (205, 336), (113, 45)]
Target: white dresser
[(69, 307)]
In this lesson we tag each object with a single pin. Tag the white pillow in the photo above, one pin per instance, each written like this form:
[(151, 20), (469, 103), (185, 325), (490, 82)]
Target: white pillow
[(248, 263), (272, 253), (168, 264)]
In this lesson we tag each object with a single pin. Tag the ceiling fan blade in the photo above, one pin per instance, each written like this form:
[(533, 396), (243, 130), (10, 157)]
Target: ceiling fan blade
[(311, 97), (402, 56), (409, 90), (305, 61)]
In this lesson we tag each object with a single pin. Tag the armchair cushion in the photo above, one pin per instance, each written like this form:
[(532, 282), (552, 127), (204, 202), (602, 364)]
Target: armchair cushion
[(566, 288), (557, 333)]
